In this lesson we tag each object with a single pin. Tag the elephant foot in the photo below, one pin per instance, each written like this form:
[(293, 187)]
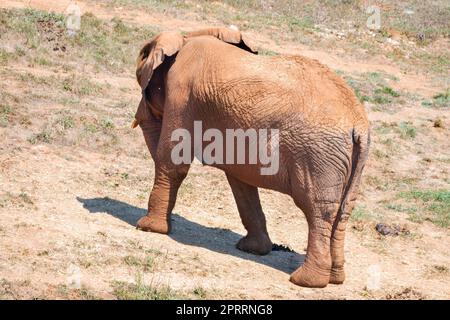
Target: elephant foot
[(337, 275), (151, 223), (306, 276), (260, 245)]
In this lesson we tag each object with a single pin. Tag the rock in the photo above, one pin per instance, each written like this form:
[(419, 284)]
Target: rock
[(438, 123), (387, 230)]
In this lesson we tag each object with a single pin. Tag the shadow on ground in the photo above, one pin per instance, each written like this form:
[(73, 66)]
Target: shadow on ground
[(194, 234)]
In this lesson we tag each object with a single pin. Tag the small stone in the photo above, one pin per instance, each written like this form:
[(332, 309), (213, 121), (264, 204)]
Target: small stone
[(438, 123), (395, 230), (386, 230)]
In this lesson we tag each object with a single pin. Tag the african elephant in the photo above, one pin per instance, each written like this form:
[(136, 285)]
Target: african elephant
[(216, 77)]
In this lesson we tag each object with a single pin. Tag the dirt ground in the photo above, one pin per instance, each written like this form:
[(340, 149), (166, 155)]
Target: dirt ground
[(69, 200)]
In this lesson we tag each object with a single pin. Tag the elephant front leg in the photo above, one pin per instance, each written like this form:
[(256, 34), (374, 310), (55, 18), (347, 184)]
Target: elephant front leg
[(162, 200), (257, 240)]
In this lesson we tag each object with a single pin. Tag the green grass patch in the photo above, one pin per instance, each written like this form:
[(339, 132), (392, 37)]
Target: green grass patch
[(442, 100), (361, 214), (44, 136), (387, 91), (407, 130), (78, 294), (4, 57), (111, 45), (413, 214), (436, 203), (372, 87), (64, 121), (140, 291), (5, 112), (107, 124), (146, 263), (437, 62), (55, 129), (42, 61), (80, 86), (267, 52), (200, 293)]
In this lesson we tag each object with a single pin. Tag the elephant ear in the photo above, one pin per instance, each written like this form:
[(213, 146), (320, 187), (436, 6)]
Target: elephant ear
[(154, 52), (150, 57), (231, 36)]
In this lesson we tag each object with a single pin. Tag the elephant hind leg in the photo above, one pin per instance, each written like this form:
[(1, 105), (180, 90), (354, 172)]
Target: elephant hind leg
[(316, 269), (257, 240), (359, 156), (337, 275)]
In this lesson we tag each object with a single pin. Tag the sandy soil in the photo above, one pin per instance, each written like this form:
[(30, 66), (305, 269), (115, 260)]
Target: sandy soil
[(65, 206)]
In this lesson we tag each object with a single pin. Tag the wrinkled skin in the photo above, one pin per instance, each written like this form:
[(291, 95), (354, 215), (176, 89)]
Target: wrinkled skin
[(215, 76)]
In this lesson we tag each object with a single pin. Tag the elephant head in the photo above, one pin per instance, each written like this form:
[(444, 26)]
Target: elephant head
[(155, 59)]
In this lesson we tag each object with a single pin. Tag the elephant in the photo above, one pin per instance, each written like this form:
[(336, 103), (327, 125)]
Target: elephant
[(217, 77)]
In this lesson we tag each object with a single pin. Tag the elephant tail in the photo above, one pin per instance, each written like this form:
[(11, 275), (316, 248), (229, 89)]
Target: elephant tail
[(360, 152)]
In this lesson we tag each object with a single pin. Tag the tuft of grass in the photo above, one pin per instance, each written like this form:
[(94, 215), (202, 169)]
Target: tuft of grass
[(200, 293), (140, 291), (267, 52), (4, 57), (387, 91), (65, 122), (5, 112), (362, 97), (91, 128), (44, 136), (413, 215), (80, 86), (360, 214), (407, 130), (372, 87), (21, 200), (435, 202), (120, 27), (78, 294), (437, 62), (19, 51), (107, 124), (442, 100), (25, 198), (400, 208), (146, 263), (376, 182), (440, 269), (380, 99), (42, 61)]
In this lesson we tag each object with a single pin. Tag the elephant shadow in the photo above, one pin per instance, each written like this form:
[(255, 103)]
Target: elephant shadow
[(191, 233)]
